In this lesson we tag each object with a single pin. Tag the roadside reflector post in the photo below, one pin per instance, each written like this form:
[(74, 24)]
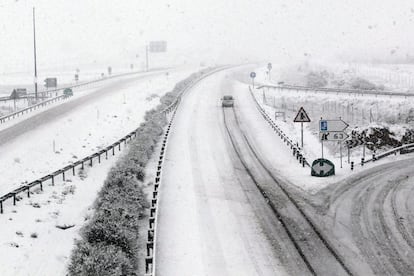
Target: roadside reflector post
[(362, 161), (352, 165)]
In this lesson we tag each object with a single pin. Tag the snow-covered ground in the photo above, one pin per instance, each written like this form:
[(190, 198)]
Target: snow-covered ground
[(357, 110), (64, 139)]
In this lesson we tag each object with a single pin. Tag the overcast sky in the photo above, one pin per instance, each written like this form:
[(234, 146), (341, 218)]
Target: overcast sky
[(75, 33)]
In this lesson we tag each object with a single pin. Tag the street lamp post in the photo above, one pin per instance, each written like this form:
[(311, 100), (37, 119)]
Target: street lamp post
[(34, 49)]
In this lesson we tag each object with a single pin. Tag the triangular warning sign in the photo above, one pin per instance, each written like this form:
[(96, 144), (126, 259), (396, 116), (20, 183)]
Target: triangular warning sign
[(302, 117)]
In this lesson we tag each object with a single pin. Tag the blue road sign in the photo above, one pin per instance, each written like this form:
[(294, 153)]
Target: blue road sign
[(323, 125)]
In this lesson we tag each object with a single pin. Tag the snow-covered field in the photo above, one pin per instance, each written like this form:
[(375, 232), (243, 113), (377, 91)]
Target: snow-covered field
[(31, 244)]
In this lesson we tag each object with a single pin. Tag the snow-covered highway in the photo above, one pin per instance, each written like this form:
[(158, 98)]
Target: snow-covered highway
[(213, 220)]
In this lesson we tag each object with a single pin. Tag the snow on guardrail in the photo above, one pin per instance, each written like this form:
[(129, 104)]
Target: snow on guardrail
[(296, 149), (51, 177), (404, 149)]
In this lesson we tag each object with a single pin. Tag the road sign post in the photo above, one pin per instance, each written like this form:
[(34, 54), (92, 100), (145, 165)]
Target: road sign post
[(301, 117), (252, 76), (332, 130), (269, 68)]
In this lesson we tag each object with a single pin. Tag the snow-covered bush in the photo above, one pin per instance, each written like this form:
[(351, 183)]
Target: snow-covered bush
[(314, 79), (99, 260), (363, 84)]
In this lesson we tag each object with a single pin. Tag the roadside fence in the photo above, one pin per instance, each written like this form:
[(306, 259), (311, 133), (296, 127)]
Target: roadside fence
[(326, 90)]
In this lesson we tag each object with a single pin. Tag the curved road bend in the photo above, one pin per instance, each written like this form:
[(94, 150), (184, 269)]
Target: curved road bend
[(372, 212)]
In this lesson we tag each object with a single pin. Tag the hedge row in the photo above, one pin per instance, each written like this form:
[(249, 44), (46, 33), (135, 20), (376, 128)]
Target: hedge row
[(108, 244)]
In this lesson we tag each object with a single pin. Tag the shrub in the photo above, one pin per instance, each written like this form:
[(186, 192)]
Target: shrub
[(363, 84), (316, 80), (99, 260)]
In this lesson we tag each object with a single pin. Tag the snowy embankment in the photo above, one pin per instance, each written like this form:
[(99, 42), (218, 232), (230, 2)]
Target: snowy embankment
[(31, 242)]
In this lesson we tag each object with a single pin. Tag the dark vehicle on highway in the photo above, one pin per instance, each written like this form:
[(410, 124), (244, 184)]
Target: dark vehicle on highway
[(227, 101)]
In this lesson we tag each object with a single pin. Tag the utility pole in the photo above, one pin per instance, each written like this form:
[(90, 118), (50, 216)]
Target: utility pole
[(34, 48)]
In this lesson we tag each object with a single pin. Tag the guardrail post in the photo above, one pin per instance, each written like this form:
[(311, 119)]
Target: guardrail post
[(148, 264), (113, 151), (63, 175), (150, 247), (73, 170), (28, 191), (99, 158), (151, 235), (53, 180), (91, 162), (41, 185), (1, 207), (14, 199), (106, 154), (153, 202)]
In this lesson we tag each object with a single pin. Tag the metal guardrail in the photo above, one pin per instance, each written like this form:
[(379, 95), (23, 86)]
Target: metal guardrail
[(80, 163), (296, 149), (13, 115), (404, 149), (34, 107), (337, 90)]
